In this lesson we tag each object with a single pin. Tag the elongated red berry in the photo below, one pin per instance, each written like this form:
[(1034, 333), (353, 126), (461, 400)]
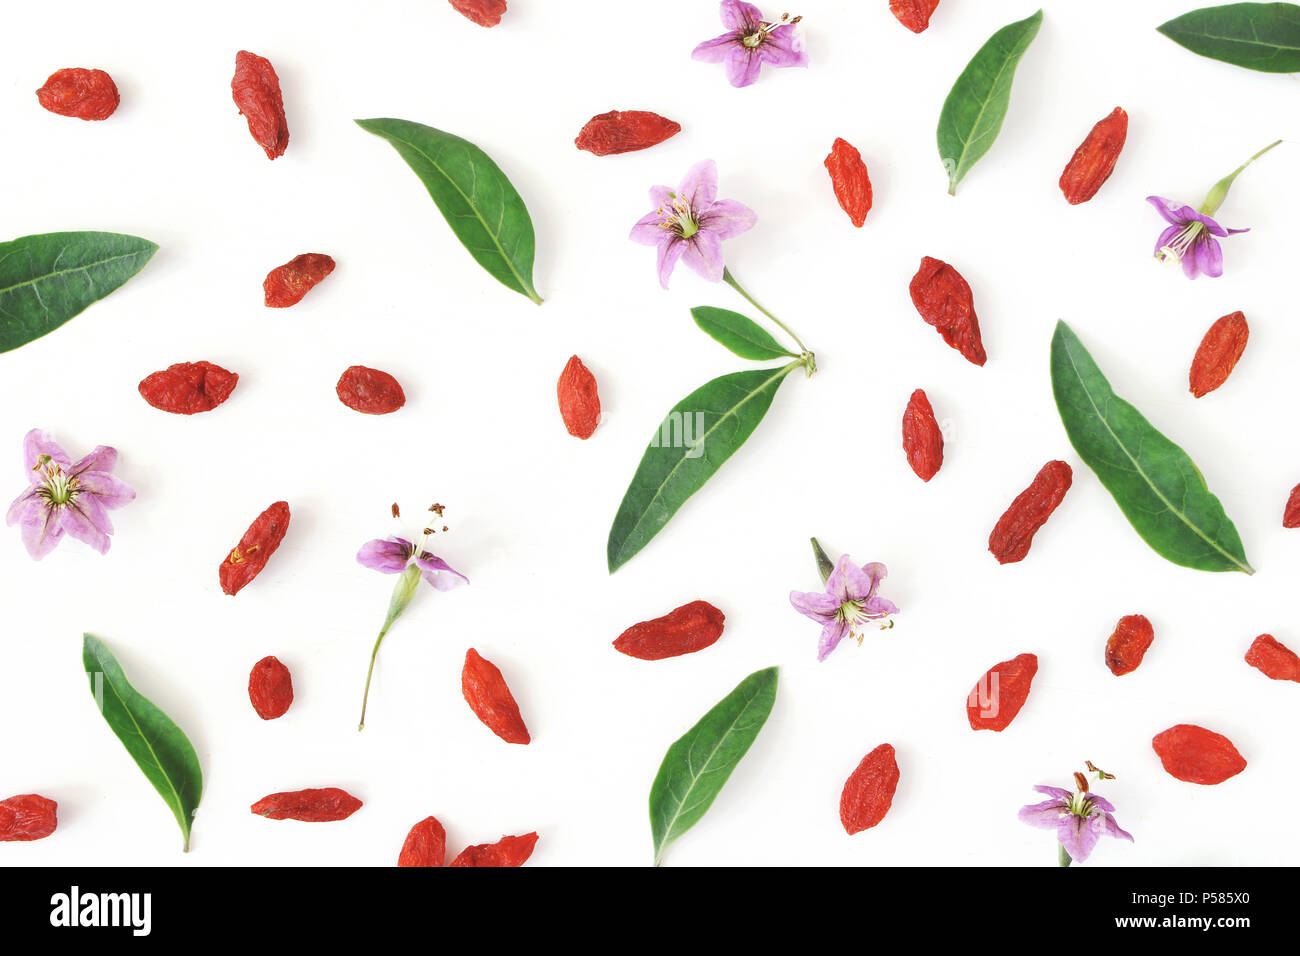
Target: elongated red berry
[(869, 791), (488, 696)]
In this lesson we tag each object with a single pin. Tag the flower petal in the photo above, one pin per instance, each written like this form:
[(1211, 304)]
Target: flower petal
[(727, 218), (703, 255), (649, 230), (783, 47), (1079, 836), (103, 458), (1166, 237), (388, 555), (817, 605), (1056, 792), (21, 503), (441, 575), (700, 185), (669, 253), (836, 585), (79, 521), (832, 634), (1113, 829), (716, 50), (740, 16), (743, 65), (37, 443), (1208, 256), (41, 529), (878, 607), (859, 584), (1045, 816), (1173, 212), (111, 492)]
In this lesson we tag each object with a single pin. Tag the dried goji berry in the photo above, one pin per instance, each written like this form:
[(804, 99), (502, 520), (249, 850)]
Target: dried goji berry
[(1218, 353), (944, 300), (922, 438), (1094, 160), (28, 816), (488, 696), (1197, 755), (270, 688), (998, 696), (869, 791), (1014, 532), (426, 845), (850, 180), (286, 285), (691, 627), (85, 94), (508, 851), (324, 805), (188, 387), (624, 131), (1273, 658), (579, 399), (247, 559), (370, 391), (256, 90), (1291, 515), (486, 13), (913, 14), (1128, 644)]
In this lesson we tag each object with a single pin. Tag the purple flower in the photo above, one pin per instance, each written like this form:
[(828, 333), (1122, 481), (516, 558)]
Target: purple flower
[(691, 223), (1079, 818), (392, 555), (1190, 238), (846, 605), (62, 496), (751, 41)]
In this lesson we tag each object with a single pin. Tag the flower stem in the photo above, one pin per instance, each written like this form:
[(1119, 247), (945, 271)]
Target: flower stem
[(1063, 855), (365, 698), (403, 591), (728, 278), (1214, 199)]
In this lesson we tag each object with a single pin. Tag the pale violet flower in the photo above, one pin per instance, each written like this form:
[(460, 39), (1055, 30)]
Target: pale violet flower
[(848, 604), (751, 41), (1080, 819)]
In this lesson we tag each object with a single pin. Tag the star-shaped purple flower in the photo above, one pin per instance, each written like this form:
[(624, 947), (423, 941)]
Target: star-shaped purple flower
[(1079, 818), (392, 555), (848, 603), (691, 223), (1190, 239), (63, 496), (751, 41)]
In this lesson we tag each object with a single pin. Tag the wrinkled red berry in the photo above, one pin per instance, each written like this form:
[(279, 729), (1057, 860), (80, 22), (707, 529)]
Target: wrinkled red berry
[(83, 94), (370, 391)]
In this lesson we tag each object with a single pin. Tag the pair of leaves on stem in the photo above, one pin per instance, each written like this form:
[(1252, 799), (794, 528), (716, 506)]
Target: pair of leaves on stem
[(699, 434), (1257, 36)]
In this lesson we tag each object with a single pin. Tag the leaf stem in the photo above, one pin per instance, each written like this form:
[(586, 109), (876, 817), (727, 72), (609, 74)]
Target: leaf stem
[(728, 278)]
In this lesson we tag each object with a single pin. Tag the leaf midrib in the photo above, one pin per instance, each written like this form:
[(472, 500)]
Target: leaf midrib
[(63, 272), (1138, 468)]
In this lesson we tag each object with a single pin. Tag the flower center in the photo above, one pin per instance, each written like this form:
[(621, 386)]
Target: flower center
[(678, 217), (1080, 804), (765, 30), (1181, 243), (56, 487), (855, 615)]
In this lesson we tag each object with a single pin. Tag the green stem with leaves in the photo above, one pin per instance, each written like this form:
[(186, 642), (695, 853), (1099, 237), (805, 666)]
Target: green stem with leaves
[(809, 361)]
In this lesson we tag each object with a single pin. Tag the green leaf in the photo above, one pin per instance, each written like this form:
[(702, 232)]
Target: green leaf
[(741, 335), (825, 566), (473, 194), (47, 279), (157, 745), (1152, 480), (1258, 36), (973, 112), (701, 432), (698, 765)]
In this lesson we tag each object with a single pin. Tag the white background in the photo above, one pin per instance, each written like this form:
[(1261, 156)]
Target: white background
[(530, 507)]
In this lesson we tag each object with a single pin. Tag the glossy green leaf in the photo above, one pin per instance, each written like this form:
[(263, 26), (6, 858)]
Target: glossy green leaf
[(701, 432), (473, 194), (1152, 480), (975, 108), (698, 765), (1258, 36), (740, 334), (160, 749), (47, 279)]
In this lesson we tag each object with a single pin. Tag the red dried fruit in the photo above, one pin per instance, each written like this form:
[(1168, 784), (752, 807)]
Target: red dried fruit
[(488, 696), (1197, 755), (28, 816), (913, 14), (944, 300), (1291, 516), (1218, 353), (247, 559), (324, 805), (1014, 533), (1128, 645), (1273, 658), (426, 845), (256, 90), (922, 438), (869, 791), (370, 391), (998, 696), (625, 131), (84, 94), (188, 387), (508, 851), (486, 13), (270, 688), (1094, 160), (286, 285), (579, 400), (690, 628), (850, 180)]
